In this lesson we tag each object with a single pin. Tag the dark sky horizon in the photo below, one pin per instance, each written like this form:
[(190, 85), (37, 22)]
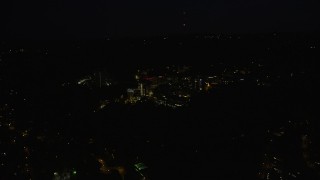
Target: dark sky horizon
[(49, 19)]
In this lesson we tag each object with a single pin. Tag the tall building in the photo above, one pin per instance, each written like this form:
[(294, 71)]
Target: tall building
[(142, 91), (200, 84)]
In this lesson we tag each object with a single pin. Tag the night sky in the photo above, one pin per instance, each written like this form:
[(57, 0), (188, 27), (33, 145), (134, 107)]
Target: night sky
[(127, 18)]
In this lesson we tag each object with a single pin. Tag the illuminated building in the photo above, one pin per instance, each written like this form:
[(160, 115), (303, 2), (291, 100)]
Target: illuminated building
[(142, 90), (198, 84)]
